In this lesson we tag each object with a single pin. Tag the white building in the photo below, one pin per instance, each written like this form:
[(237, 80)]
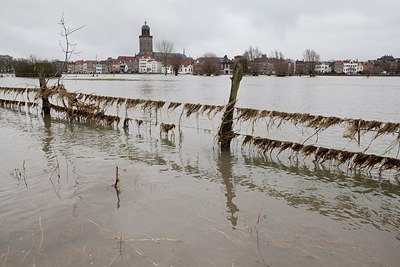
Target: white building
[(183, 69), (149, 65), (350, 67), (323, 67), (142, 65), (186, 69), (170, 69), (99, 68), (155, 66)]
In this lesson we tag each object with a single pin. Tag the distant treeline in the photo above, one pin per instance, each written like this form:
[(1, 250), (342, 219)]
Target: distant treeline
[(25, 68)]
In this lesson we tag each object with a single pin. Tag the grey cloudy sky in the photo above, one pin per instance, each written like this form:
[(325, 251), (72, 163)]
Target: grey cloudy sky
[(341, 29)]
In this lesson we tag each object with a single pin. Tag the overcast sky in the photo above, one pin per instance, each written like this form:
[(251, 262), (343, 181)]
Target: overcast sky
[(341, 29)]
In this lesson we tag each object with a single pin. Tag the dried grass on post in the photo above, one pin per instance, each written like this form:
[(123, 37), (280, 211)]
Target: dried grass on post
[(245, 114), (191, 108), (211, 110), (357, 160), (174, 105), (90, 107), (14, 104)]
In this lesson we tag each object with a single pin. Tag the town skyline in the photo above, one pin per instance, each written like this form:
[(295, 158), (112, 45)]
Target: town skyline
[(342, 30), (165, 60), (154, 49), (253, 61)]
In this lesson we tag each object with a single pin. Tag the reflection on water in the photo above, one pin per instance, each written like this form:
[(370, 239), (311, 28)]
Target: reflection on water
[(224, 164), (339, 195), (186, 168), (47, 136), (352, 197), (146, 89)]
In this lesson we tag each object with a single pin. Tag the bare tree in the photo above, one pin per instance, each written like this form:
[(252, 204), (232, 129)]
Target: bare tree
[(210, 64), (311, 59), (250, 56), (280, 65), (176, 62), (165, 48), (6, 63), (277, 54), (252, 53), (69, 49)]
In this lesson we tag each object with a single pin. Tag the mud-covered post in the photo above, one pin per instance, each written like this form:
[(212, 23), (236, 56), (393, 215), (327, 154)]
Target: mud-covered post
[(44, 94), (225, 134)]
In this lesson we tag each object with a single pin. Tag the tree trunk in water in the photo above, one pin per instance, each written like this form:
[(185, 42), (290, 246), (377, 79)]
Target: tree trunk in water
[(45, 100), (225, 134)]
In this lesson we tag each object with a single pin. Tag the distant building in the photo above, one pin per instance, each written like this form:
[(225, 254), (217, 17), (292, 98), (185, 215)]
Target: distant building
[(109, 65), (169, 69), (126, 64), (100, 67), (299, 67), (227, 65), (133, 66), (186, 68), (350, 67), (323, 68), (291, 66), (338, 66), (83, 66), (145, 41), (149, 65), (263, 65), (143, 62)]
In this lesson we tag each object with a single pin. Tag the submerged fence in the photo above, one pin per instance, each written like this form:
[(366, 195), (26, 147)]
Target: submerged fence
[(114, 111)]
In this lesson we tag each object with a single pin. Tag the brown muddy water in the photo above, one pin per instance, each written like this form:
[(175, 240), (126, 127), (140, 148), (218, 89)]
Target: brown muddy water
[(181, 201)]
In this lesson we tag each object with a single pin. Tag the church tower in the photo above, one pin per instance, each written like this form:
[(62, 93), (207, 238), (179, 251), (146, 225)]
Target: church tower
[(145, 41)]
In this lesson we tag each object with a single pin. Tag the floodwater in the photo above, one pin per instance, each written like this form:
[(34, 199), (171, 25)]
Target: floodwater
[(181, 201)]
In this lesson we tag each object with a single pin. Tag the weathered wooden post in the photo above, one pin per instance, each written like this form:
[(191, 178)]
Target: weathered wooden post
[(44, 94), (225, 133)]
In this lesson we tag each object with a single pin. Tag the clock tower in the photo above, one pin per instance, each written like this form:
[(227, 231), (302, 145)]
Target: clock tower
[(145, 41)]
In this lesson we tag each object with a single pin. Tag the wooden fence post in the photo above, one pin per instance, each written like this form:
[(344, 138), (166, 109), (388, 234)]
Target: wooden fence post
[(43, 92), (225, 133)]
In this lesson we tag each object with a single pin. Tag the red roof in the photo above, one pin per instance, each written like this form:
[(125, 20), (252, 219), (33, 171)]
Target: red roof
[(125, 59)]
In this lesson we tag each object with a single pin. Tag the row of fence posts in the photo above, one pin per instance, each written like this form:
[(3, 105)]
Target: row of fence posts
[(225, 133)]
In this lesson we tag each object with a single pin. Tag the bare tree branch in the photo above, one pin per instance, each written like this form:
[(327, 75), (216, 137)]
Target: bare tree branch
[(68, 48), (311, 58), (165, 49), (250, 56)]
